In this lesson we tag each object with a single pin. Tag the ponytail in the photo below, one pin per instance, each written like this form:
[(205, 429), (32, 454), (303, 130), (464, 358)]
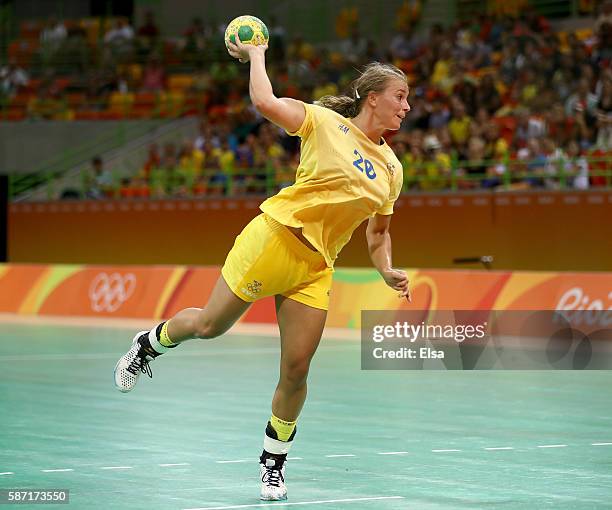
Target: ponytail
[(344, 105)]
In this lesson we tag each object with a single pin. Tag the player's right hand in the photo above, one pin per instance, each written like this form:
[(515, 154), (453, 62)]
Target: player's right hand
[(243, 51)]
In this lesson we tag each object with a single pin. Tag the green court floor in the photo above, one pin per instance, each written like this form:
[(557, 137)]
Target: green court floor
[(190, 437)]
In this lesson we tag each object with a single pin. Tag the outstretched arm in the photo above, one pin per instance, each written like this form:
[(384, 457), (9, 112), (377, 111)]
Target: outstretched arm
[(379, 246), (284, 111)]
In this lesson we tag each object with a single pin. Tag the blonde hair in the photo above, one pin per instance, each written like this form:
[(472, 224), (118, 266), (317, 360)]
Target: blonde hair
[(373, 78)]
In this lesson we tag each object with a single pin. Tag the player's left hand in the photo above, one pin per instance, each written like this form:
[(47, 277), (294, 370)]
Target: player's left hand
[(398, 280)]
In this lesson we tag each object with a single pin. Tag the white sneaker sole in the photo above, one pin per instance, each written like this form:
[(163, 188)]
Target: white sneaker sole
[(264, 498)]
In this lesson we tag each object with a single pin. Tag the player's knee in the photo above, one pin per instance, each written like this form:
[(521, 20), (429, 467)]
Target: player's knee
[(208, 328), (295, 372)]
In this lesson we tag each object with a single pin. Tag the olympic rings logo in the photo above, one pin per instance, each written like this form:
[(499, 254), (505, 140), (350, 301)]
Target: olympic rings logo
[(108, 292)]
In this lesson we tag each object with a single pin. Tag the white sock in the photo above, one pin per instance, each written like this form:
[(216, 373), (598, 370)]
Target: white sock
[(157, 347), (275, 446)]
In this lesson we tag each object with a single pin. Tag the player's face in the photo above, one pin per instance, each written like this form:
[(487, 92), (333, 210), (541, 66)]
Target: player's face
[(392, 104)]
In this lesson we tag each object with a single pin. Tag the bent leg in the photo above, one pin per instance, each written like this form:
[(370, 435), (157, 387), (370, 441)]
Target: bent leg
[(223, 309)]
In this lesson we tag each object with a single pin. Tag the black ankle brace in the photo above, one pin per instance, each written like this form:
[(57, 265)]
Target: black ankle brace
[(279, 460)]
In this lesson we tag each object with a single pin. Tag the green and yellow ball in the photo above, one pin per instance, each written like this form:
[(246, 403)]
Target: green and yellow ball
[(251, 30)]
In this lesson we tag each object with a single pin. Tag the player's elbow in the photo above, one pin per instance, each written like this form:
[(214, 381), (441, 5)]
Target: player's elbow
[(264, 104), (374, 238), (376, 231)]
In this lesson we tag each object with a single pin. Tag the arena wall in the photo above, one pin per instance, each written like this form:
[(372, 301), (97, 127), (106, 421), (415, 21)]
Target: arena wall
[(543, 231)]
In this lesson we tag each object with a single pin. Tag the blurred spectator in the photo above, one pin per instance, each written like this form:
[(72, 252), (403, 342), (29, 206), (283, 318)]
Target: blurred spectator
[(527, 127), (52, 36), (121, 33), (224, 72), (100, 83), (558, 125), (603, 114), (405, 44), (354, 47), (12, 77), (465, 90), (162, 179), (536, 163), (496, 145), (605, 15), (120, 38), (190, 166), (459, 126), (275, 157), (556, 163), (194, 40), (169, 157), (480, 124), (412, 164), (439, 114), (442, 67), (474, 165), (140, 188), (153, 76), (148, 34), (511, 62), (74, 56), (153, 161), (222, 180), (324, 88), (46, 105), (582, 100), (373, 53), (205, 135), (564, 77), (98, 183), (602, 52), (434, 173), (251, 159), (487, 95), (278, 40), (577, 167), (599, 166)]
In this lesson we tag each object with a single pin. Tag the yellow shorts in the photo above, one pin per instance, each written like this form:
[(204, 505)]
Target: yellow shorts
[(267, 259)]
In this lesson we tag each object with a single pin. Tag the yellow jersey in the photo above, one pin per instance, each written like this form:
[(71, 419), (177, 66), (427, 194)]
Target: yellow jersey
[(343, 178)]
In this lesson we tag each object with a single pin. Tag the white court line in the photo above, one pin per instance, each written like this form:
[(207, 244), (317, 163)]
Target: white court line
[(340, 455), (116, 467), (601, 444), (320, 502), (552, 446), (501, 448), (392, 453), (176, 464), (7, 473), (56, 470), (234, 461), (295, 458), (444, 451)]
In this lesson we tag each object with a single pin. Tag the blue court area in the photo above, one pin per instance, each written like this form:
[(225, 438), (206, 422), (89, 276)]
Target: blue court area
[(190, 437)]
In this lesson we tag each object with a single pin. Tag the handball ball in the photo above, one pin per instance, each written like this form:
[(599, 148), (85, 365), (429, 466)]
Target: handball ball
[(251, 30)]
